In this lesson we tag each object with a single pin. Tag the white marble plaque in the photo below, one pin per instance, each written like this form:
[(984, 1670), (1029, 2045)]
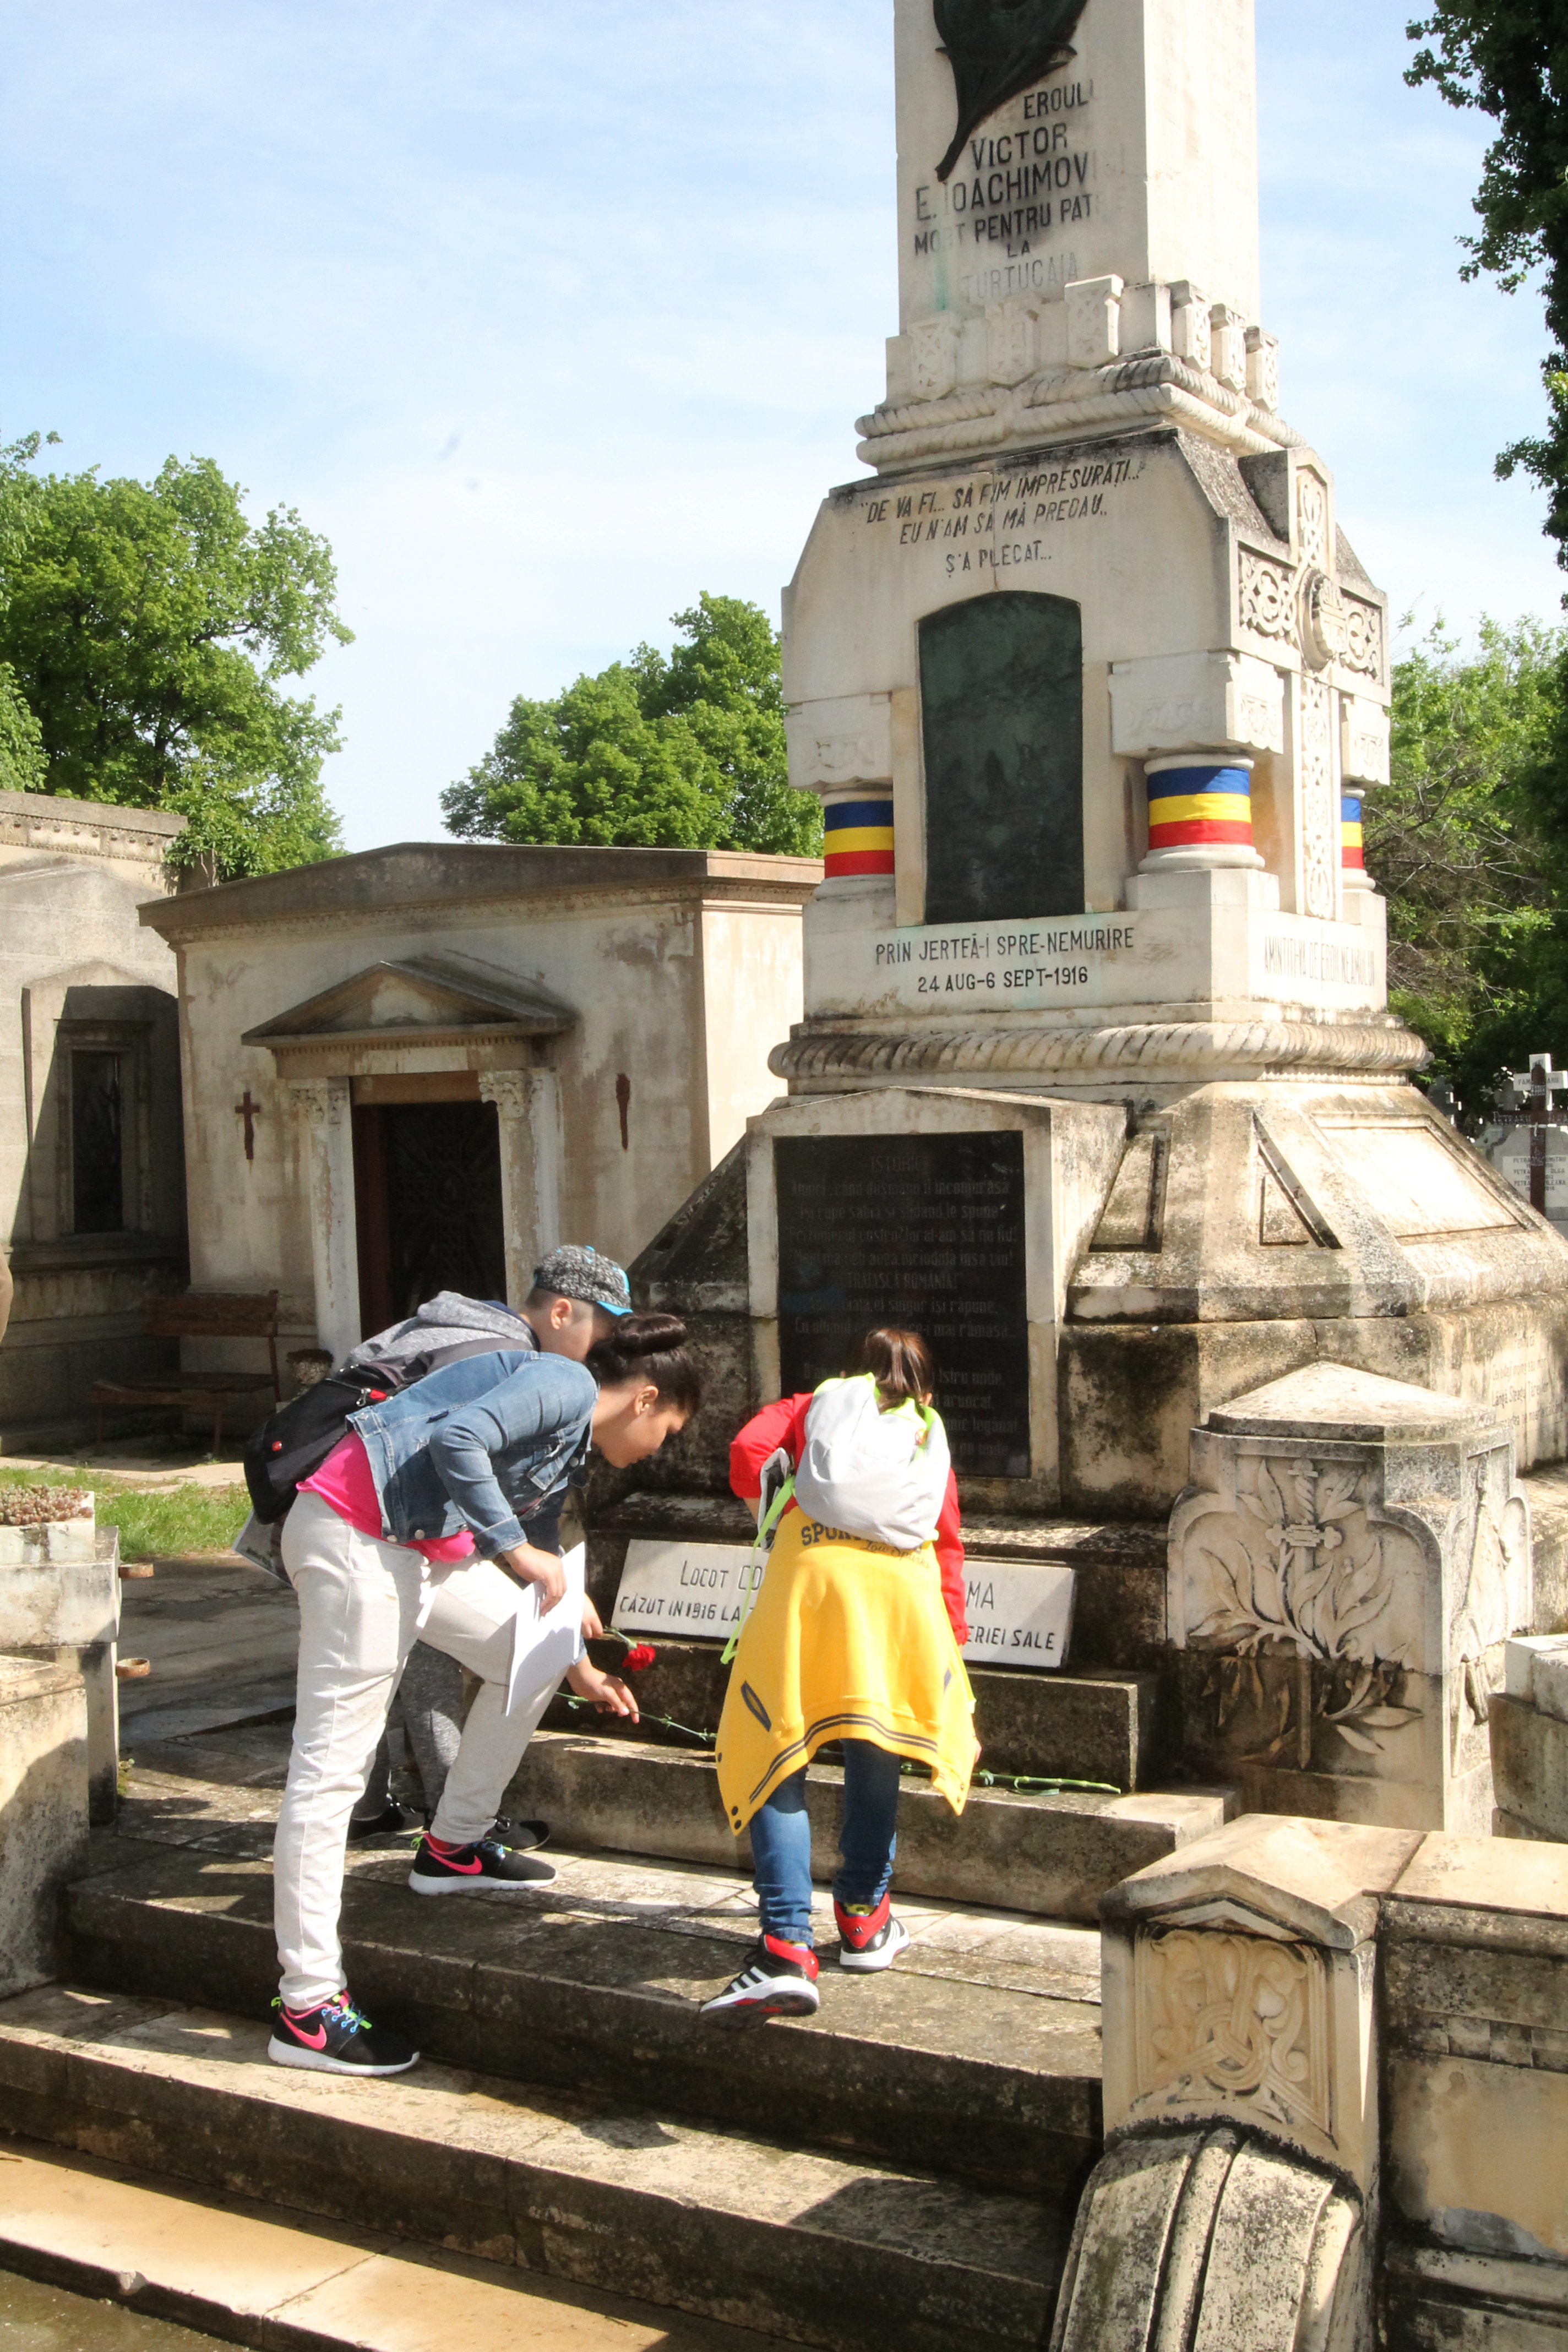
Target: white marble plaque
[(1019, 1616), (694, 1589)]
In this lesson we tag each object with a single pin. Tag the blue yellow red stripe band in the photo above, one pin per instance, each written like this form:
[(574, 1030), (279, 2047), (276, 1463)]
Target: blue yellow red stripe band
[(1206, 804), (858, 837), (1351, 833)]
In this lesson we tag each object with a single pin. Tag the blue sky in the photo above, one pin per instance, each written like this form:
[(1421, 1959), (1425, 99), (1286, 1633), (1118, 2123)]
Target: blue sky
[(551, 316)]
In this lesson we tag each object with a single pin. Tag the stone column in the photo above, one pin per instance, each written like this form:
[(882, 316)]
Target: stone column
[(326, 1122), (528, 1107)]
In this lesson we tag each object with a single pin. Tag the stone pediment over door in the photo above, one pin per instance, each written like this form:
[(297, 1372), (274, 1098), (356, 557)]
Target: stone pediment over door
[(423, 1001)]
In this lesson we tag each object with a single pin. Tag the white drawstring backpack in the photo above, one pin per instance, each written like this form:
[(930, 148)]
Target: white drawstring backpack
[(878, 1475)]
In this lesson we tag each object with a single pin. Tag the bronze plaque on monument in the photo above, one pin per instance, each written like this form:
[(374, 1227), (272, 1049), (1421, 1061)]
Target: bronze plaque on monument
[(921, 1231)]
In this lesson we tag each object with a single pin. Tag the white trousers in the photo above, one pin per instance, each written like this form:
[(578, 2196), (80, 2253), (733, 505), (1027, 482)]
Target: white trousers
[(363, 1606)]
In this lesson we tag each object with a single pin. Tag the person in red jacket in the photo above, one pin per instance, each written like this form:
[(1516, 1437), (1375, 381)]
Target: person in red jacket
[(847, 1640), (783, 1425)]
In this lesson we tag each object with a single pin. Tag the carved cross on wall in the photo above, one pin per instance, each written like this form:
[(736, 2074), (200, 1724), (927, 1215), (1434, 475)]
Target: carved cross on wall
[(250, 1112)]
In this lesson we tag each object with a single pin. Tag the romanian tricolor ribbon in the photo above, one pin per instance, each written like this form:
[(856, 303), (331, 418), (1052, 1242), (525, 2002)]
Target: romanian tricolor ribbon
[(1200, 804), (1350, 834), (858, 837)]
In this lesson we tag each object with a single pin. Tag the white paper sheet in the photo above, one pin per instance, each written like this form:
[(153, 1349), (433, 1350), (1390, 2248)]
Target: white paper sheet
[(543, 1647)]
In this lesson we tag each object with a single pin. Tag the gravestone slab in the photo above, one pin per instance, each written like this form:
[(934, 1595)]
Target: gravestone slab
[(927, 1233), (694, 1590), (1019, 1617)]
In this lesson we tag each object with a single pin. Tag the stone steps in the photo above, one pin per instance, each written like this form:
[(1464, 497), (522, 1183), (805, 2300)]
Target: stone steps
[(1053, 1855), (1100, 1724), (977, 2056), (815, 2248)]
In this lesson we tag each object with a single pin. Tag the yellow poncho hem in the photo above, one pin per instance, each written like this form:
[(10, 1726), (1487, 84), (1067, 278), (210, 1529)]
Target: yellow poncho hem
[(847, 1641)]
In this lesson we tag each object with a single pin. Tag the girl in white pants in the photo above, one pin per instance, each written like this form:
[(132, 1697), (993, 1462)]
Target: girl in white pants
[(448, 1456)]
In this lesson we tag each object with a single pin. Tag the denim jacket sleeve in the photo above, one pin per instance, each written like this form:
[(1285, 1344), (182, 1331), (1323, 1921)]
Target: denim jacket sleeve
[(548, 1397)]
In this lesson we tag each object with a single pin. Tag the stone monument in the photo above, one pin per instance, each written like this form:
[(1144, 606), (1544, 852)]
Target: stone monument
[(1091, 683), (1096, 1082)]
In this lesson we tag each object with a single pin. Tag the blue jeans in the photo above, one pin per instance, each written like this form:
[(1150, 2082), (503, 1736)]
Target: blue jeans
[(781, 1842)]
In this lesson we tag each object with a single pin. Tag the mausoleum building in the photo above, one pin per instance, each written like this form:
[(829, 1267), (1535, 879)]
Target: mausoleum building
[(423, 1066), (92, 1175)]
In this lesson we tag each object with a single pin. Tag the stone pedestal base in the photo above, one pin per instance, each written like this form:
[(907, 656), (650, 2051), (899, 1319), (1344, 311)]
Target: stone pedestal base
[(1344, 1571)]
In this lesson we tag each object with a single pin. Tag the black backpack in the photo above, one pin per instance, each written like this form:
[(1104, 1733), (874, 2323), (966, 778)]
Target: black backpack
[(292, 1443)]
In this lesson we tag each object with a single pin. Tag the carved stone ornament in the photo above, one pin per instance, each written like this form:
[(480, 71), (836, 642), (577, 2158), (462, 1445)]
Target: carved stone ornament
[(1363, 639), (997, 48), (1318, 801), (1325, 624), (1268, 598), (1312, 520), (1238, 2019), (935, 368), (1489, 1604), (1300, 1568)]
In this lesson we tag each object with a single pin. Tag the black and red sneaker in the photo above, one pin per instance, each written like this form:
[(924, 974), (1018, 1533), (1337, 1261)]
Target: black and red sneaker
[(778, 1980), (869, 1938), (336, 2040), (485, 1867)]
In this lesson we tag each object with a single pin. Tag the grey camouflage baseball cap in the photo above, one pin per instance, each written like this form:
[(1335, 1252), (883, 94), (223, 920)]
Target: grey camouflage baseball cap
[(578, 1271)]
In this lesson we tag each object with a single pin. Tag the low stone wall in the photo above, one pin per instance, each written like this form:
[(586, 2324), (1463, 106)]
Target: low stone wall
[(43, 1812), (1528, 1728), (1336, 2097)]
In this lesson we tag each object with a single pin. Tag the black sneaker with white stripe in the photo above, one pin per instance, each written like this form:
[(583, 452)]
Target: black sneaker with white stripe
[(779, 1979), (337, 2040)]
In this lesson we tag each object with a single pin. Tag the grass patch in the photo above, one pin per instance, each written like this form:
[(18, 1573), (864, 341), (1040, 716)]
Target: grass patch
[(176, 1524)]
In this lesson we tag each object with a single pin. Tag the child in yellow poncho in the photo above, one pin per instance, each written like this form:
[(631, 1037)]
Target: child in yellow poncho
[(854, 1639)]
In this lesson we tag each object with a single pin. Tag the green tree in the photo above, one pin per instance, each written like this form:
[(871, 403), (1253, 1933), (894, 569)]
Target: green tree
[(22, 763), (683, 751), (1462, 845), (1509, 58), (148, 625)]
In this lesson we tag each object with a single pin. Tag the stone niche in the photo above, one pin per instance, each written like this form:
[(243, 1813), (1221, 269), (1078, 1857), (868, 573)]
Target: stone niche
[(1345, 1570)]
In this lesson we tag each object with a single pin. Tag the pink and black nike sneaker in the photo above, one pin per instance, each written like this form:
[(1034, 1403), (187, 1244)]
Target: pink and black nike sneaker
[(485, 1867), (869, 1938), (336, 2040)]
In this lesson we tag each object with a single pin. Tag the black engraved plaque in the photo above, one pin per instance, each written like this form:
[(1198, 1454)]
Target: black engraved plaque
[(1001, 708), (922, 1231)]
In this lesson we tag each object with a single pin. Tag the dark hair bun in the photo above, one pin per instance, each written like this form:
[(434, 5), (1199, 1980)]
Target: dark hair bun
[(647, 1335), (645, 1347)]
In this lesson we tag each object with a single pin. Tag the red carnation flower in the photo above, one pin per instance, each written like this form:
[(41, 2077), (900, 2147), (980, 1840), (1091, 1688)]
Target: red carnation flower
[(639, 1657)]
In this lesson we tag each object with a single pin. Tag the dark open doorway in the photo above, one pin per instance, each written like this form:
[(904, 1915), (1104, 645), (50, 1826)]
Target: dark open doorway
[(427, 1199)]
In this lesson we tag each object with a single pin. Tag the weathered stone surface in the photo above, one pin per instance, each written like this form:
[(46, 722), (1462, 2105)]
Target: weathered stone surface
[(1054, 1855), (1529, 1766), (1238, 1982), (1217, 2243), (68, 1610), (1437, 2301), (1475, 1946), (1344, 1571), (959, 2060), (1090, 1727), (806, 2245), (43, 1811), (1546, 1491)]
